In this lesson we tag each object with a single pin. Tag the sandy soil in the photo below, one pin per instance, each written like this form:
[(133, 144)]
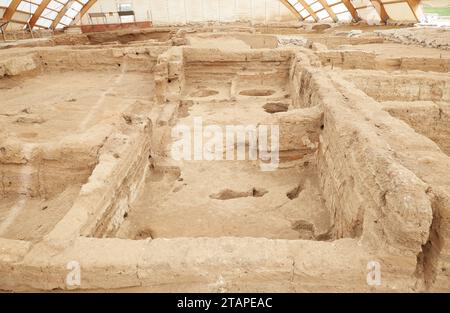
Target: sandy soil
[(46, 109), (168, 207), (53, 105), (392, 50), (226, 41), (32, 218)]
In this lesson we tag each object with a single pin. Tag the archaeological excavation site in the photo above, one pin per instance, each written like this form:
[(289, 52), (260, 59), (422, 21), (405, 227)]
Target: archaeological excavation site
[(225, 146)]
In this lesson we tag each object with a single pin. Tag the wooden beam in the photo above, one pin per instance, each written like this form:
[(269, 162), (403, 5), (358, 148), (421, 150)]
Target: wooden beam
[(414, 5), (351, 8), (329, 10), (37, 14), (3, 25), (380, 9), (61, 14), (310, 11), (84, 10), (9, 12), (292, 9)]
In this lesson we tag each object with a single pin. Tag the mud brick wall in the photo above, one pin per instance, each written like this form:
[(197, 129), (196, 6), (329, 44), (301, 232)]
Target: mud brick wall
[(431, 119), (363, 186)]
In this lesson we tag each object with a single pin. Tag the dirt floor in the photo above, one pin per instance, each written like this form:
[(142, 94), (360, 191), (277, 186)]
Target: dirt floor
[(394, 50), (53, 105), (251, 204), (88, 124)]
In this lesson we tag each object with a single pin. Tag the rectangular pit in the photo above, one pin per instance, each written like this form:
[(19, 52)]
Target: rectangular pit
[(420, 100), (225, 88), (324, 205), (231, 75), (52, 136)]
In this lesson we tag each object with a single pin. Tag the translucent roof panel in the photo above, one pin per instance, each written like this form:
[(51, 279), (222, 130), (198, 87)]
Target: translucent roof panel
[(344, 17), (317, 10), (322, 15), (4, 3), (339, 8), (399, 11), (372, 11)]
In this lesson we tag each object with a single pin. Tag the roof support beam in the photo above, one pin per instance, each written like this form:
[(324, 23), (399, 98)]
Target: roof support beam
[(414, 5), (37, 14), (84, 10), (380, 9), (308, 8), (3, 25), (61, 14), (9, 12), (292, 9), (329, 10), (351, 8)]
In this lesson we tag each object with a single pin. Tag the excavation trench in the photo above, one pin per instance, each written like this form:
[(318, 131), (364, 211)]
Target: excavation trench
[(240, 199), (420, 100), (53, 135), (92, 166)]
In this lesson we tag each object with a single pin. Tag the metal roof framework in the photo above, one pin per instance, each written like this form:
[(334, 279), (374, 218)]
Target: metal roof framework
[(348, 10), (54, 14), (50, 14)]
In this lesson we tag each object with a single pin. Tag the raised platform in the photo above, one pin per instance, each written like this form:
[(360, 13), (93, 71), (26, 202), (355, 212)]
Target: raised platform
[(117, 26)]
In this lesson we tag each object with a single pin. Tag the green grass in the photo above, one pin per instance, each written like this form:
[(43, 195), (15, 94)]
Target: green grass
[(439, 11)]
